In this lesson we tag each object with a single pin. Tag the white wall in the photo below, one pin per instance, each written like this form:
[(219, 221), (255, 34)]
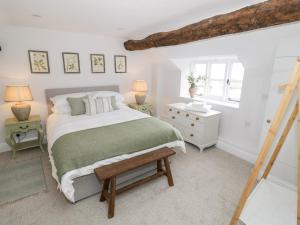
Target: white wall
[(240, 129), (14, 65)]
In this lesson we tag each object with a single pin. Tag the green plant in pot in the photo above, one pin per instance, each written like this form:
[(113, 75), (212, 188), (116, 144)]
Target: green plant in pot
[(193, 81)]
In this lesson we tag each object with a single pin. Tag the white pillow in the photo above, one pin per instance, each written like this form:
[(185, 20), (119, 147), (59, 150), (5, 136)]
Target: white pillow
[(61, 105), (62, 109)]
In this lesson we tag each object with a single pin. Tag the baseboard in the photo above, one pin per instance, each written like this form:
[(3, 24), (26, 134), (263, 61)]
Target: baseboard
[(280, 182), (243, 153), (236, 150), (4, 147)]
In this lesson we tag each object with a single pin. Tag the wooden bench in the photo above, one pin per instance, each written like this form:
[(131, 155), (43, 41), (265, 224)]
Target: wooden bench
[(108, 173)]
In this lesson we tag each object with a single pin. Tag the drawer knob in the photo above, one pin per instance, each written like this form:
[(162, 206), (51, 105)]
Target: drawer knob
[(173, 117), (24, 127), (187, 115), (178, 112), (268, 121), (191, 135), (197, 118), (192, 124), (170, 110)]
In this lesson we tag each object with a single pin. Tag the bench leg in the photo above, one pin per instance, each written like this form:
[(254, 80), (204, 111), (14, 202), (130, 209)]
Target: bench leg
[(168, 171), (159, 165), (104, 189), (111, 206)]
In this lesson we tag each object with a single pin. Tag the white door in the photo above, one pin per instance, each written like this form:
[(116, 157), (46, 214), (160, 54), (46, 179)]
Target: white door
[(285, 167)]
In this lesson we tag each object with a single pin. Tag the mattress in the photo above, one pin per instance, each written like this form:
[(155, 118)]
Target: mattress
[(59, 125)]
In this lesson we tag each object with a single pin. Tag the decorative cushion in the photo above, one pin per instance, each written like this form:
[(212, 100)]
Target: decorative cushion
[(77, 106), (103, 104), (95, 105), (90, 105)]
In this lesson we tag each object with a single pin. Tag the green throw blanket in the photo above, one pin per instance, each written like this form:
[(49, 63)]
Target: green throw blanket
[(82, 148)]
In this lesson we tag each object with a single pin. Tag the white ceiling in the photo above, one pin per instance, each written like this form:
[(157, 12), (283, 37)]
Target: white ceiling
[(120, 18)]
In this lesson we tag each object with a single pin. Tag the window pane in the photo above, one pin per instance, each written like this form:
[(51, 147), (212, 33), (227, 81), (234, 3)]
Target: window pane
[(200, 69), (218, 71), (237, 71), (200, 90), (236, 84), (234, 94), (234, 91), (216, 88)]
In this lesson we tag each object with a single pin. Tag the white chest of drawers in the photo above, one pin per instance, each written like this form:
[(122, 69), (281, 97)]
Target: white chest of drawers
[(200, 129)]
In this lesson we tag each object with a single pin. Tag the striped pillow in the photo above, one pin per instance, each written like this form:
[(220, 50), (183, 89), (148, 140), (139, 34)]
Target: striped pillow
[(100, 104), (103, 104), (90, 105)]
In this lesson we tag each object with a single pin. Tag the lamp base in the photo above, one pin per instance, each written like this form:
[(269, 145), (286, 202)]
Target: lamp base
[(140, 98), (21, 111)]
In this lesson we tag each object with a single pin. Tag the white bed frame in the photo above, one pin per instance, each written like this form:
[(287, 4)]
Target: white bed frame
[(88, 185)]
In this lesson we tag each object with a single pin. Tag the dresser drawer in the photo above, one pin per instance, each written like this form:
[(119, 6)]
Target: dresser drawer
[(185, 114), (175, 111), (184, 121), (190, 135), (178, 119)]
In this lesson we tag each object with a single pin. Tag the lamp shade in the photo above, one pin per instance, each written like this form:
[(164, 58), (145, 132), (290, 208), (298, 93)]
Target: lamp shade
[(17, 93), (139, 86)]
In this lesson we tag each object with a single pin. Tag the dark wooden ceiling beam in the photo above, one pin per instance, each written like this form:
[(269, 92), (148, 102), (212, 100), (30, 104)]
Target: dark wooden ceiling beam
[(261, 15)]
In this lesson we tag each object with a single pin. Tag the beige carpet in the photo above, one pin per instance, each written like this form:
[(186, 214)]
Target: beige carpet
[(207, 188)]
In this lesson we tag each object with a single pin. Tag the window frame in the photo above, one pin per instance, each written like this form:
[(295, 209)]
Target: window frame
[(226, 81)]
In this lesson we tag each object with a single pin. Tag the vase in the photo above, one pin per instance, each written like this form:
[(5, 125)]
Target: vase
[(193, 91)]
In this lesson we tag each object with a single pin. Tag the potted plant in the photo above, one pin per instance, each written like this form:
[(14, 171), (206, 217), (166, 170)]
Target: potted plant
[(192, 80)]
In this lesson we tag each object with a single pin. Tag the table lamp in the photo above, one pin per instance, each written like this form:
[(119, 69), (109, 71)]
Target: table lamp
[(140, 88), (19, 94)]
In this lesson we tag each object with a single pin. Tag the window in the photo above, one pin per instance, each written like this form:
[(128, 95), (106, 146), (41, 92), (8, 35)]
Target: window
[(220, 79)]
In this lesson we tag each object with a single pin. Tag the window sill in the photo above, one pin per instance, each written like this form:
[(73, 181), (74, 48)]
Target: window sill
[(234, 105)]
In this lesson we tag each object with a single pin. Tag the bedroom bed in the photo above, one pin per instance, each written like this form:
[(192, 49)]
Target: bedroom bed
[(79, 144)]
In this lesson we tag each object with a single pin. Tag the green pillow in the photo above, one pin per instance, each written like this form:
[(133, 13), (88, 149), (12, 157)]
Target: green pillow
[(77, 106)]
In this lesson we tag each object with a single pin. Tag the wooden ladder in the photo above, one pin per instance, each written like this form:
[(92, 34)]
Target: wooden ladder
[(289, 90)]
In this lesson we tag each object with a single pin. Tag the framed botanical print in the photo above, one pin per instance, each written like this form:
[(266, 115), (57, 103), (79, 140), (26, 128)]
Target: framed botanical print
[(120, 64), (39, 62), (97, 63), (71, 62)]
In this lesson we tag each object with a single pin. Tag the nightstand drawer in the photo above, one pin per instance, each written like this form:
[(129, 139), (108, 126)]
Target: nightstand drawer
[(23, 127)]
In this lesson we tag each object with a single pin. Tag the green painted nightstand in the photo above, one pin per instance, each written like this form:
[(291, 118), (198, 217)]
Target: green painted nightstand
[(145, 108), (13, 126)]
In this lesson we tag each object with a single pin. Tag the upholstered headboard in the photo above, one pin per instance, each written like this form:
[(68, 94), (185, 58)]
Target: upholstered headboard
[(61, 91)]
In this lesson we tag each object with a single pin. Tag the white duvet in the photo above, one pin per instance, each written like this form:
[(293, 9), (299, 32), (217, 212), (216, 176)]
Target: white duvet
[(60, 124)]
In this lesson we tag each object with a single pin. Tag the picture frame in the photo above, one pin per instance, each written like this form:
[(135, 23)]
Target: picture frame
[(97, 63), (39, 61), (120, 64), (71, 62)]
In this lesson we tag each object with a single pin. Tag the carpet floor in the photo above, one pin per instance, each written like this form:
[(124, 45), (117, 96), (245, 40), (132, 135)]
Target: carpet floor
[(207, 188)]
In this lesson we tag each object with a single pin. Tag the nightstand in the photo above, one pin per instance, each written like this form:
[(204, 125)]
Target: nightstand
[(145, 108), (13, 126)]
